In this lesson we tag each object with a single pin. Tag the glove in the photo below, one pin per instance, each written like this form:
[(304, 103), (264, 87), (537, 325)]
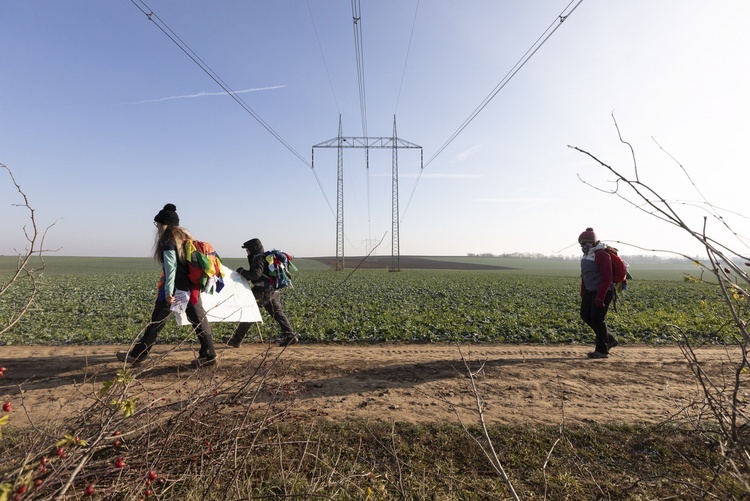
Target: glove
[(240, 270), (599, 303)]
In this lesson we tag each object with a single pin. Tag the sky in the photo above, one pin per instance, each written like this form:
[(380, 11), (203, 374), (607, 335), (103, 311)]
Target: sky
[(104, 119)]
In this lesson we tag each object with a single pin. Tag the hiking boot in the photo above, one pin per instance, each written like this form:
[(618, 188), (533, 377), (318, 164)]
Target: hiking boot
[(233, 342), (290, 339), (124, 356), (612, 342), (597, 354), (201, 362)]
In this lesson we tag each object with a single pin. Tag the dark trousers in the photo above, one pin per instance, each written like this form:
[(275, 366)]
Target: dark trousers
[(595, 318), (271, 302), (197, 316)]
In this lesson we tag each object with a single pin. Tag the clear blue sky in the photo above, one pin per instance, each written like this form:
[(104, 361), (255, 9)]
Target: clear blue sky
[(104, 120)]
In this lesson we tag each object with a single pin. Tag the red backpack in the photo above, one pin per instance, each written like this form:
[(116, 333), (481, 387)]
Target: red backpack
[(620, 273)]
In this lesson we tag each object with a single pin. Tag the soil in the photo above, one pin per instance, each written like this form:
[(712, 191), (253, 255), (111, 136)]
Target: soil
[(517, 384), (406, 262)]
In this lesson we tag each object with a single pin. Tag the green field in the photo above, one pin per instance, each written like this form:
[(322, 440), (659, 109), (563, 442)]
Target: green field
[(257, 448), (108, 300)]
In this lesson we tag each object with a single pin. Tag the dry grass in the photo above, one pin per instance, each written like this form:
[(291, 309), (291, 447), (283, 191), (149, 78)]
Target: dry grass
[(240, 438)]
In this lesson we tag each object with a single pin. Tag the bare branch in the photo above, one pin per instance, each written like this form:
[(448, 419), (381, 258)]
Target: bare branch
[(492, 455), (722, 400), (632, 152), (24, 270)]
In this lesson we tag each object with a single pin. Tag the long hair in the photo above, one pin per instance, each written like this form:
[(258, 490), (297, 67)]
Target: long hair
[(176, 234)]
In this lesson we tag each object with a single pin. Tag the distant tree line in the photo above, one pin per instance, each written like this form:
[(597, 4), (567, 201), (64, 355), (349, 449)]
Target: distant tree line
[(638, 258)]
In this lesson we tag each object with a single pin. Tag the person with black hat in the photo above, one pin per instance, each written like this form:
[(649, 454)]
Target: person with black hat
[(169, 252), (597, 291), (266, 296)]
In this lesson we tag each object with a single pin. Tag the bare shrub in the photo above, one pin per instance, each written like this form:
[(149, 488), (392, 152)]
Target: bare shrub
[(183, 440), (26, 275), (721, 416)]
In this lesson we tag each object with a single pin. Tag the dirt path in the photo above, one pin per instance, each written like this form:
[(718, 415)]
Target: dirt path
[(520, 384)]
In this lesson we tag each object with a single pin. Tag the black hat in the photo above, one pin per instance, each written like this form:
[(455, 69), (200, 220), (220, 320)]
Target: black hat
[(168, 216)]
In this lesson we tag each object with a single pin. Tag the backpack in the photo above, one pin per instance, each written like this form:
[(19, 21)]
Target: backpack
[(620, 273), (277, 266), (204, 266)]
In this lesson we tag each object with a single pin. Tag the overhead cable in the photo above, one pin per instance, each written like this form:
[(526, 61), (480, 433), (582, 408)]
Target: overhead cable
[(515, 69), (567, 11), (406, 59), (206, 69), (322, 56), (360, 59), (192, 55), (360, 56)]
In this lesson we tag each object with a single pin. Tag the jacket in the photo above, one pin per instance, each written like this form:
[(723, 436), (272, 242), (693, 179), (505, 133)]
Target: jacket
[(596, 272), (257, 274), (174, 273)]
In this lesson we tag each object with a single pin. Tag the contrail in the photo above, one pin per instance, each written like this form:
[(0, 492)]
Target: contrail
[(204, 94), (468, 152)]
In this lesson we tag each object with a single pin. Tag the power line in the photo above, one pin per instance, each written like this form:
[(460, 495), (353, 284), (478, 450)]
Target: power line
[(511, 73), (149, 13), (192, 55), (322, 56), (360, 56), (360, 59), (515, 69), (406, 59)]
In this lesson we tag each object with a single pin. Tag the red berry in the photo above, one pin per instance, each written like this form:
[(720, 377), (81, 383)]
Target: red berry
[(38, 482), (43, 460), (7, 407), (61, 452), (21, 489), (116, 433), (152, 475), (90, 490)]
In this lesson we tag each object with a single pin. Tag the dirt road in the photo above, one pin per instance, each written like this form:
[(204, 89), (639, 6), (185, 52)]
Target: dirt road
[(518, 384)]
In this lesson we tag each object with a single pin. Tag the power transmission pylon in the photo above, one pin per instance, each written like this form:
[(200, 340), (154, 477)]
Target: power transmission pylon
[(394, 143), (340, 204), (395, 248)]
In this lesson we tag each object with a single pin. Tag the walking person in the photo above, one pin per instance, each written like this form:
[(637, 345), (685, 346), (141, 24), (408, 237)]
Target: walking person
[(597, 291), (175, 287), (266, 296)]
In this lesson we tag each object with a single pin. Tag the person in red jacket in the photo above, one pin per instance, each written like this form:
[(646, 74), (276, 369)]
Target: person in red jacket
[(597, 291)]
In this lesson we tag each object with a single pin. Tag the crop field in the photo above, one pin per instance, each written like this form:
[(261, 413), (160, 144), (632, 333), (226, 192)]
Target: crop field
[(108, 300), (370, 417)]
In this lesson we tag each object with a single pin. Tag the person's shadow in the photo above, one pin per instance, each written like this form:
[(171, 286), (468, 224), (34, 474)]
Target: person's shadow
[(39, 373)]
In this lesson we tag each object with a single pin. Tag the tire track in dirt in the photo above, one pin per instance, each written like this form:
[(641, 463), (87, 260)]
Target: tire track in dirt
[(517, 384)]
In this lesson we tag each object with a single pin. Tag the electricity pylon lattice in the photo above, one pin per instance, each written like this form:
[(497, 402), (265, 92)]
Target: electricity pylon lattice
[(393, 142)]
